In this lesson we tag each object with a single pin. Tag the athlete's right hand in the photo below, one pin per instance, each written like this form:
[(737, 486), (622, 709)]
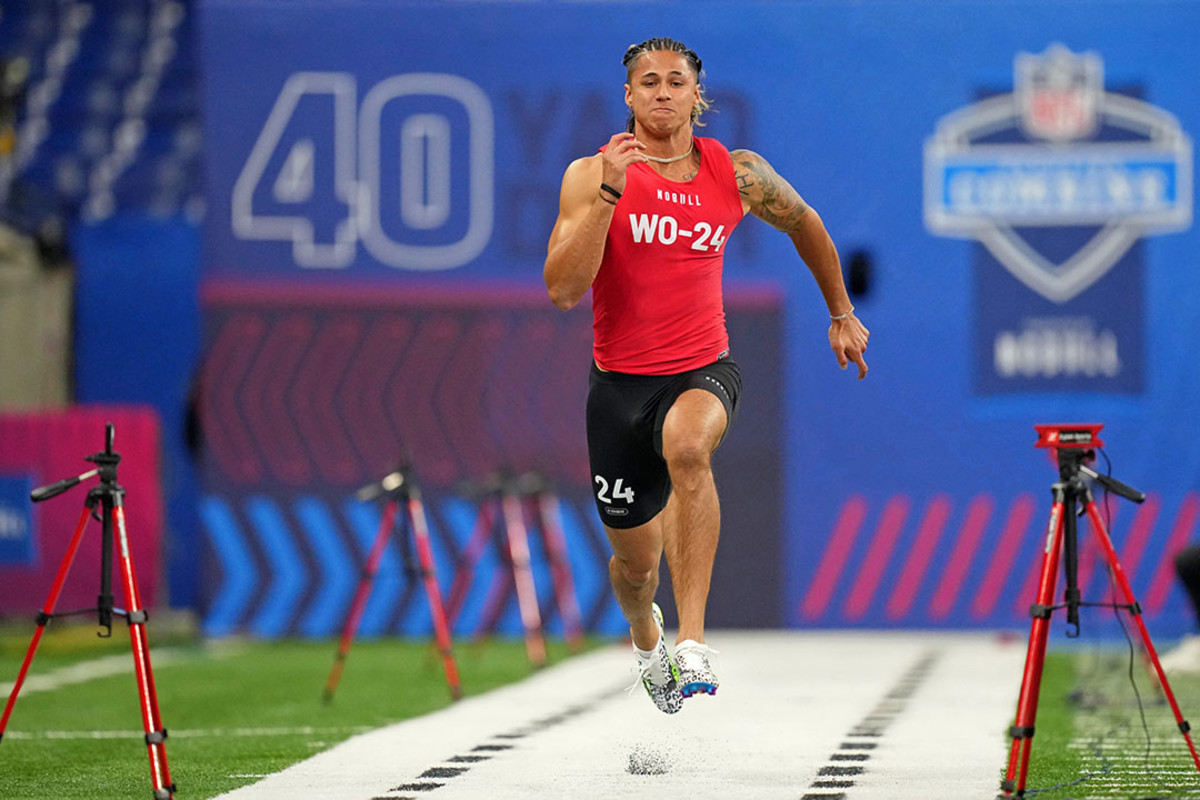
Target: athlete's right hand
[(623, 149)]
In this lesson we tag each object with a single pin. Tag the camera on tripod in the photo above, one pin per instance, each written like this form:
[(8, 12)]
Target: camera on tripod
[(1071, 445), (105, 503), (1071, 436), (1074, 445)]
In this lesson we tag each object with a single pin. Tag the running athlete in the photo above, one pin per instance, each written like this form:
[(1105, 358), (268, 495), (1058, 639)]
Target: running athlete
[(643, 224)]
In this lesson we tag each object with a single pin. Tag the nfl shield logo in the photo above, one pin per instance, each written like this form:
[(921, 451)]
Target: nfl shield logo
[(1059, 93), (1103, 164)]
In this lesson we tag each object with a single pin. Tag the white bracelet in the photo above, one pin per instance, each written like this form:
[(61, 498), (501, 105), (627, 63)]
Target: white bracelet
[(842, 316)]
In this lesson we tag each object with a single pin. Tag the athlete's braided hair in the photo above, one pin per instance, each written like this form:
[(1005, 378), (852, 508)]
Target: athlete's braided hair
[(635, 51)]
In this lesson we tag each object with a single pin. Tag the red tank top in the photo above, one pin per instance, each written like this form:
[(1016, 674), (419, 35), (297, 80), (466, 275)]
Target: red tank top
[(657, 301)]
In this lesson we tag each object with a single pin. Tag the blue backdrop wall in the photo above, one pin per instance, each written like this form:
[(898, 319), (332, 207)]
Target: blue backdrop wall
[(1013, 180)]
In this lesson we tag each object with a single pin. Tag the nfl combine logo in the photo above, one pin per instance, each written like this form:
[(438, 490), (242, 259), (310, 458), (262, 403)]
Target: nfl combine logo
[(1058, 180)]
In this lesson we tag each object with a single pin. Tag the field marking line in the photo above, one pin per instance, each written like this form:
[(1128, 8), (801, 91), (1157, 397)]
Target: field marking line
[(197, 733), (106, 667)]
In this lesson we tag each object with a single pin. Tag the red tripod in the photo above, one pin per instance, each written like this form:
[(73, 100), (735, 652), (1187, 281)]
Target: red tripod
[(1072, 445), (506, 499), (555, 543), (399, 488), (109, 496)]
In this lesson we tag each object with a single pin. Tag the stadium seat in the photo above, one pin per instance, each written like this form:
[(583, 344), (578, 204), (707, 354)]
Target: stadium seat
[(109, 121)]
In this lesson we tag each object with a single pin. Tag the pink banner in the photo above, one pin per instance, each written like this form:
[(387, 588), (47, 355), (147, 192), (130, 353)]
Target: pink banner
[(52, 445)]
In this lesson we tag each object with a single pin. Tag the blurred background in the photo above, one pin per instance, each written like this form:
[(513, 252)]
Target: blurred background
[(285, 247)]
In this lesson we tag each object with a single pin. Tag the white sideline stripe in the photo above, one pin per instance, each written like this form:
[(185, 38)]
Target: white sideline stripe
[(115, 664), (787, 702), (196, 733), (84, 671)]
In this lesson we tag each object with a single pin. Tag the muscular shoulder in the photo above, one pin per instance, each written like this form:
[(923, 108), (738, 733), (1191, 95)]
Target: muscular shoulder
[(765, 194), (748, 167), (584, 168), (580, 182)]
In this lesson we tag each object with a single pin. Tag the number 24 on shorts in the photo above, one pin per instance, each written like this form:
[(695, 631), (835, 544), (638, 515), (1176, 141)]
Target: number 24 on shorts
[(619, 491)]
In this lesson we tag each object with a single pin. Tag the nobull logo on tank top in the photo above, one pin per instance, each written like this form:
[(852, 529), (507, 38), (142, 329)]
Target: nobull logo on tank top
[(680, 198), (1058, 181)]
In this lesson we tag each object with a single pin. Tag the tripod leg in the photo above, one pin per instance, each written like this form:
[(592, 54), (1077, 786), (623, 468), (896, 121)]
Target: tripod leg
[(350, 629), (465, 569), (1035, 658), (1135, 610), (156, 734), (441, 628), (518, 548), (44, 617), (560, 569), (496, 601)]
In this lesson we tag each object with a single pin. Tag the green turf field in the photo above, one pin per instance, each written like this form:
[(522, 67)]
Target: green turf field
[(1098, 737), (237, 710), (234, 710)]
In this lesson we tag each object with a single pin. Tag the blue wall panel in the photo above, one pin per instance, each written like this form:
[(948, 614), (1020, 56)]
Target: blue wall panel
[(912, 498), (137, 340)]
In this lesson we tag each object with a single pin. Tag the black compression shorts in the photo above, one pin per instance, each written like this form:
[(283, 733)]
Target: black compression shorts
[(625, 416)]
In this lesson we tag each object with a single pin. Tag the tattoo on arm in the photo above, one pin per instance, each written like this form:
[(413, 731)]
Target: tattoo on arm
[(770, 197)]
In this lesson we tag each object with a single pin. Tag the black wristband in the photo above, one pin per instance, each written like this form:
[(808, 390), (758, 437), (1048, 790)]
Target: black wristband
[(605, 199), (604, 187)]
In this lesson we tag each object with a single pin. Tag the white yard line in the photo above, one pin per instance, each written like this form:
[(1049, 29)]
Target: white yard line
[(863, 716), (196, 733), (84, 671), (115, 664)]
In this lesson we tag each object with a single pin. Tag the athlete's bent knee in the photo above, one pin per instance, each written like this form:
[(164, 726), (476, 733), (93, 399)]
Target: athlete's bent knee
[(689, 464), (634, 575)]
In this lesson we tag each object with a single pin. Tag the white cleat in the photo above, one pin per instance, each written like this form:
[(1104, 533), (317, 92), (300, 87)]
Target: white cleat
[(696, 675), (659, 674)]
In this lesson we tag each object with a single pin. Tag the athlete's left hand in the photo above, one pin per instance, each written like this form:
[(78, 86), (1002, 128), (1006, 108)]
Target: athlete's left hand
[(848, 338)]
